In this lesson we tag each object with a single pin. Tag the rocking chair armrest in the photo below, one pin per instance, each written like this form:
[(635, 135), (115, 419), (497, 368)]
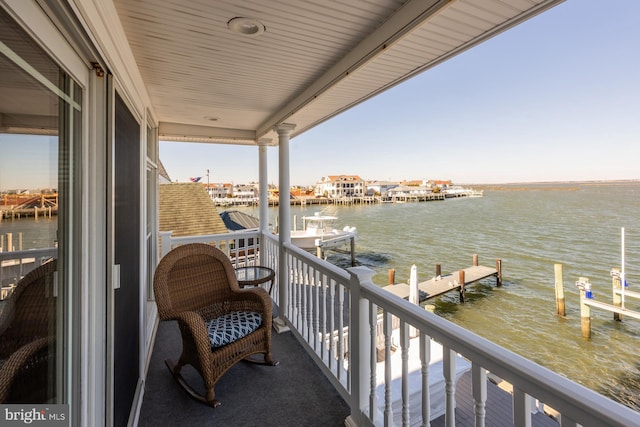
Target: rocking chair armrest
[(17, 361), (195, 324)]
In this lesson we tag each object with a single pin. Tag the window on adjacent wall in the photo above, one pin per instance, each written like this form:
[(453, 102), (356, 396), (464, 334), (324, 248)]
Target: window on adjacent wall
[(152, 207), (40, 117)]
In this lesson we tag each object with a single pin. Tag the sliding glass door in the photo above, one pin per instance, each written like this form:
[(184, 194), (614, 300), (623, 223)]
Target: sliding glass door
[(40, 124)]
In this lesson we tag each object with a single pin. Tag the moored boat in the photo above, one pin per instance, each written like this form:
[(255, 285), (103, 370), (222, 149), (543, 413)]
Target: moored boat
[(318, 230)]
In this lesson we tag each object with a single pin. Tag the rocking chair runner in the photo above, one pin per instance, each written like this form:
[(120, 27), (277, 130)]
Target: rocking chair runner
[(221, 324)]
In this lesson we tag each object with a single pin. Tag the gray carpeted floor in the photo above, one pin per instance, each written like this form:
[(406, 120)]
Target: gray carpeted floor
[(294, 393)]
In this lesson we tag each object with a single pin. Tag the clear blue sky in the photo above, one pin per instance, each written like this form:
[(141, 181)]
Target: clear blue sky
[(555, 99), (28, 162)]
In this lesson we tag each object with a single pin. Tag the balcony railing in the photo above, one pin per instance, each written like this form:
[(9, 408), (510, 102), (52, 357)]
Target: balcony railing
[(355, 331), (14, 265)]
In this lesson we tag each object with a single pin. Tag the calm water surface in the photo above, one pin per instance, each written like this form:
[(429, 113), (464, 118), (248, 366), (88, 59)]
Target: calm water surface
[(530, 229), (577, 225), (36, 234)]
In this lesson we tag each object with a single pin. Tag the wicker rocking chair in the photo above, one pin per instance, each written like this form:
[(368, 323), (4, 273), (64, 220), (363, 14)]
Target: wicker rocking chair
[(221, 324), (27, 322)]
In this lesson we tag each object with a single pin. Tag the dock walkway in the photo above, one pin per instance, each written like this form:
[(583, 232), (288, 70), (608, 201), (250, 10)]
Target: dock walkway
[(439, 285)]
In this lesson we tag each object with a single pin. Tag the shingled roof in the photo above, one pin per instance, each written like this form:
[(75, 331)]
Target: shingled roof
[(187, 210), (236, 220)]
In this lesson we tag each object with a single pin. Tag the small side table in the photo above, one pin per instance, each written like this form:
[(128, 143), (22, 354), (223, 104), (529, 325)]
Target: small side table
[(255, 275)]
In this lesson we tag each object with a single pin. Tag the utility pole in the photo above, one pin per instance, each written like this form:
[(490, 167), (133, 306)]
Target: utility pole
[(208, 188)]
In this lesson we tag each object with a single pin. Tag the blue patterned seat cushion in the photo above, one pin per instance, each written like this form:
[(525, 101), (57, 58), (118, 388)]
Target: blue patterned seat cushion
[(231, 327)]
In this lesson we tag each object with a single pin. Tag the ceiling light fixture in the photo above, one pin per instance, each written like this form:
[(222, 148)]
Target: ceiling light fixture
[(246, 26)]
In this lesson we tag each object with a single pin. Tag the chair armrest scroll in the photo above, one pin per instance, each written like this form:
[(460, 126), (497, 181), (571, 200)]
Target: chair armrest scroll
[(195, 324)]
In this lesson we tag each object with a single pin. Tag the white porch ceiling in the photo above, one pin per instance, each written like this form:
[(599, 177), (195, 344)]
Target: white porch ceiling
[(316, 58)]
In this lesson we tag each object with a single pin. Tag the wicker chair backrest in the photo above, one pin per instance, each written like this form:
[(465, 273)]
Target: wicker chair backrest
[(31, 309), (191, 277)]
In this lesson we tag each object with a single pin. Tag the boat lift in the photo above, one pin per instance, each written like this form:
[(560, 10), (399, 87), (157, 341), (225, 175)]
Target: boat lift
[(619, 285)]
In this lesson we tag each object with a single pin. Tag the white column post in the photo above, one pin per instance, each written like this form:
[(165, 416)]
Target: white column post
[(263, 190), (284, 221)]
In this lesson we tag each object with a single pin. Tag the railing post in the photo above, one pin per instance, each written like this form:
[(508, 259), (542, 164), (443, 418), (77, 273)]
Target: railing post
[(479, 386), (165, 238), (521, 408), (360, 346), (414, 295), (449, 372)]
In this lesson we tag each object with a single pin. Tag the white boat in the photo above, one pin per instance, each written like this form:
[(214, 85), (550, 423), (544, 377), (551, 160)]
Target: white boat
[(318, 230)]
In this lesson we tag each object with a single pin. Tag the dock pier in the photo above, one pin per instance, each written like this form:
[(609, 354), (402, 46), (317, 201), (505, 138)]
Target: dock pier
[(440, 284)]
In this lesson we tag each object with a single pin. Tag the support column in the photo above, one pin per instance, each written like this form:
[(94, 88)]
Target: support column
[(263, 190), (284, 220)]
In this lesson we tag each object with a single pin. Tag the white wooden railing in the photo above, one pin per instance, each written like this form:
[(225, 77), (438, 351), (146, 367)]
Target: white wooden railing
[(14, 265), (336, 315), (241, 247)]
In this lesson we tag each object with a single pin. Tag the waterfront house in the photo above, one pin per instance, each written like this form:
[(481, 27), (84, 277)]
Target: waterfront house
[(338, 186), (245, 193), (380, 187), (100, 82), (219, 191)]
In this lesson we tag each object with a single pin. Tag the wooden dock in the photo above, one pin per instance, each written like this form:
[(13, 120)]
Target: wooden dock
[(442, 284)]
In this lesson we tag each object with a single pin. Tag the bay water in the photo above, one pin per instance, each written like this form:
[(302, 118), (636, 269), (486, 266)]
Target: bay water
[(530, 228)]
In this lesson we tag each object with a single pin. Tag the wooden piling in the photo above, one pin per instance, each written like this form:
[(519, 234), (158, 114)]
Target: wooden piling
[(559, 290), (438, 270), (475, 260), (461, 280), (9, 242), (353, 251), (616, 287), (392, 276), (499, 272), (585, 311)]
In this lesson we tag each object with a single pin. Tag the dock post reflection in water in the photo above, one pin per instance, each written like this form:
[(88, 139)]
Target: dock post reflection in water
[(560, 308)]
